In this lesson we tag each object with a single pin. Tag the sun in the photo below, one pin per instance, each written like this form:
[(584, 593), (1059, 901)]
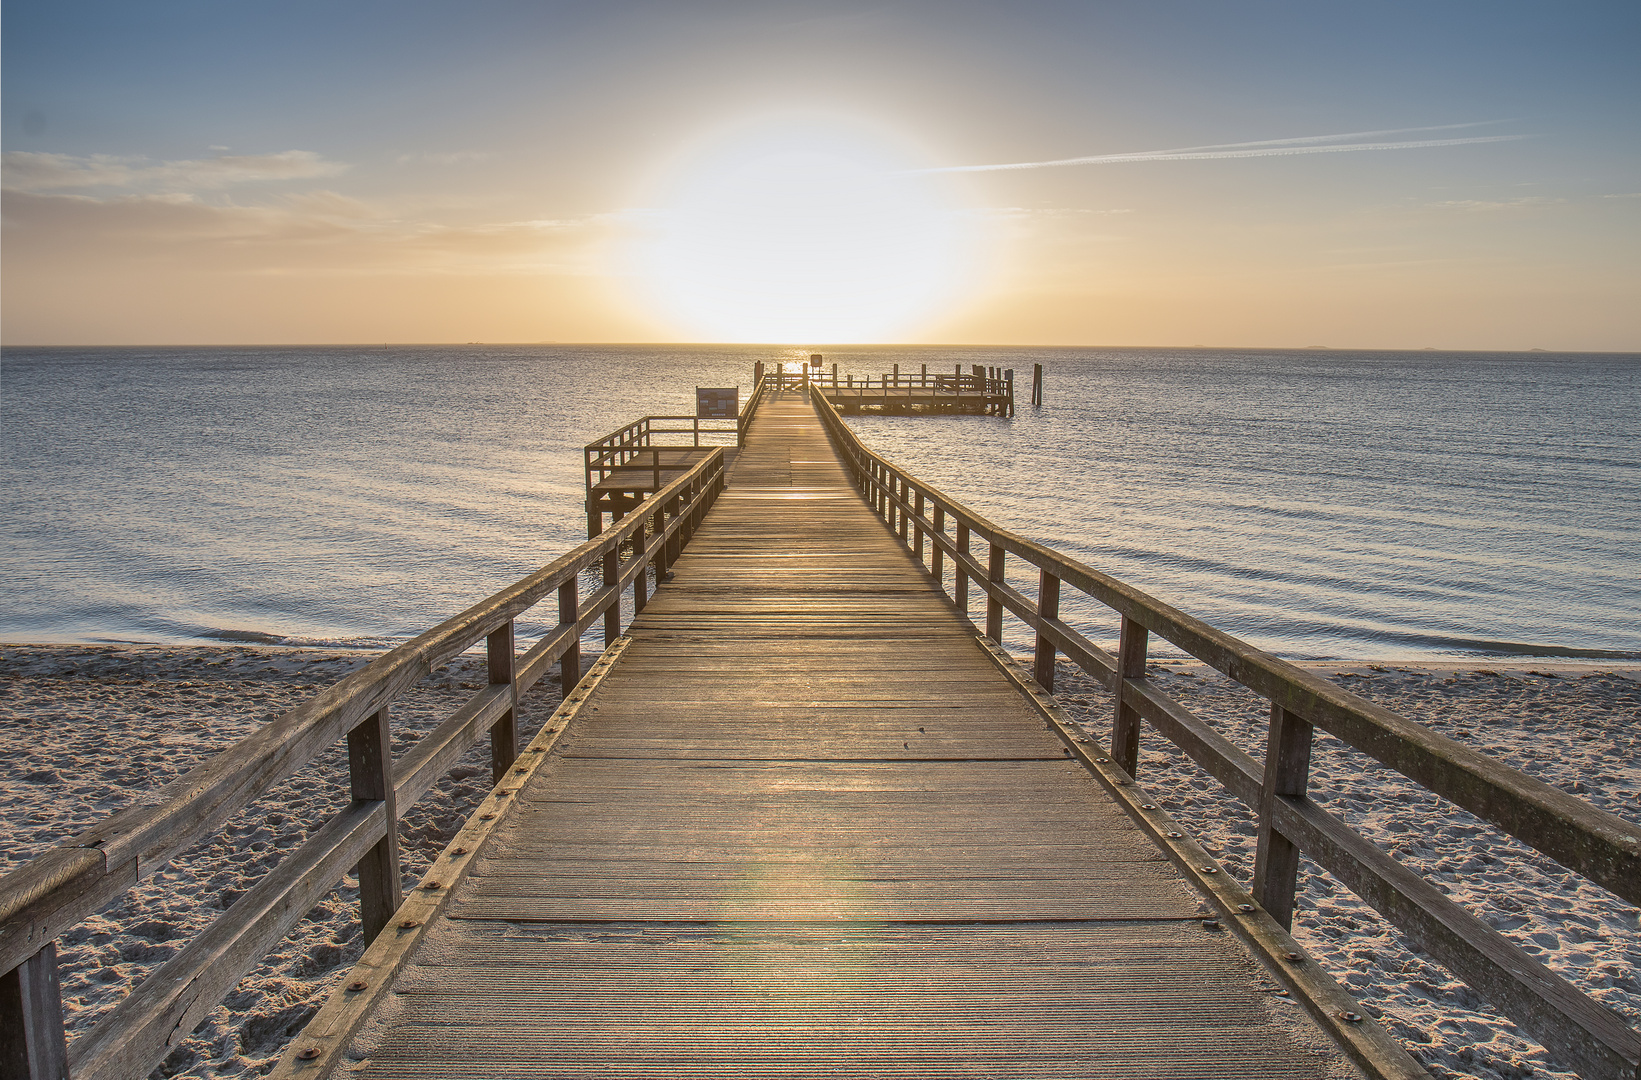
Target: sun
[(803, 232)]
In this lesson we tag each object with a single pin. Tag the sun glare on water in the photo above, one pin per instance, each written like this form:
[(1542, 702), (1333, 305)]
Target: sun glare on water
[(798, 235)]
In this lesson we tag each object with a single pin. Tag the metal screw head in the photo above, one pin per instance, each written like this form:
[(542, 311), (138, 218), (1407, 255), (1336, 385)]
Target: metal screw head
[(308, 1053), (357, 985), (1210, 869), (408, 924), (1210, 924), (1122, 782), (1102, 761), (458, 851), (520, 772), (1174, 835), (1246, 909), (1294, 957), (487, 817), (1350, 1017), (431, 885), (1148, 806)]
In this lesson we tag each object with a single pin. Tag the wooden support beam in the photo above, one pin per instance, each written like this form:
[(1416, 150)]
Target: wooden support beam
[(569, 613), (370, 770), (994, 602), (31, 1020), (504, 736), (1048, 607), (937, 556), (1125, 721), (1287, 772)]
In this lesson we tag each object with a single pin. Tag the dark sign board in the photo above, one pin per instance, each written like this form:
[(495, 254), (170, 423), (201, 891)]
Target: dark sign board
[(717, 401)]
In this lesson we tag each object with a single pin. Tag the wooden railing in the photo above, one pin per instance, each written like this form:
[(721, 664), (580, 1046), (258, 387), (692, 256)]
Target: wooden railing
[(1606, 849), (52, 893), (628, 445), (991, 382)]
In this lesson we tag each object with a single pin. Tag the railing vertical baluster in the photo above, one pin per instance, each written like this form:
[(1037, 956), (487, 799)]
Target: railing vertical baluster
[(569, 613), (640, 582), (612, 614), (1125, 721), (1048, 607), (32, 1045), (504, 736), (663, 549), (370, 769), (960, 568), (917, 526), (994, 602), (937, 554), (1287, 772), (900, 511)]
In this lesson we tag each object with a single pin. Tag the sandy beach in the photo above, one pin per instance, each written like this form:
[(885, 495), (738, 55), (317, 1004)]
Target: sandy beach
[(88, 730)]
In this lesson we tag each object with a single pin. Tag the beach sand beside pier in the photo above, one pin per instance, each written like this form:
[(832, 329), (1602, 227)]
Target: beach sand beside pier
[(87, 730)]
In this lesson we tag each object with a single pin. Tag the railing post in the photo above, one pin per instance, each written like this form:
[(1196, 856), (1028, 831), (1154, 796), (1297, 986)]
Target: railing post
[(960, 568), (504, 736), (32, 1045), (917, 526), (1048, 607), (612, 614), (994, 603), (1125, 722), (1287, 772), (640, 582), (370, 768), (569, 613), (937, 554), (900, 511)]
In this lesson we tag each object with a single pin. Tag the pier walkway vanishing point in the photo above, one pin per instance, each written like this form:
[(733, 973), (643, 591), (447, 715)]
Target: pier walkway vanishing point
[(802, 824)]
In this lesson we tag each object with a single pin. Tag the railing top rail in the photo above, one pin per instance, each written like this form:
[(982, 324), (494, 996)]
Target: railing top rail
[(629, 435), (1602, 846), (128, 845)]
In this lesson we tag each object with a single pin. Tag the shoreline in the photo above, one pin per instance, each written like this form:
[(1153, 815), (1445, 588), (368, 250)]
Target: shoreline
[(89, 729)]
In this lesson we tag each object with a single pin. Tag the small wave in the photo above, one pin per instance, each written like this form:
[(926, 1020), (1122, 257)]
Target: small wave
[(1511, 648), (295, 641), (254, 637)]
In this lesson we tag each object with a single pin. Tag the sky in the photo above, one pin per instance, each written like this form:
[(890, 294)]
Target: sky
[(1441, 173)]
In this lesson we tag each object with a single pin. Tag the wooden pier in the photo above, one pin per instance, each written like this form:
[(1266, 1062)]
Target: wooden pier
[(802, 824), (981, 391), (802, 818)]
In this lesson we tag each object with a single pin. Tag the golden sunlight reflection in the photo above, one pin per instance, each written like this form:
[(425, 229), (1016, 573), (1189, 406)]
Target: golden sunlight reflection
[(804, 231)]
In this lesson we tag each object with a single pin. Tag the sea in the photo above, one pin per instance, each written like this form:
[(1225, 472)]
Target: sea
[(1320, 504)]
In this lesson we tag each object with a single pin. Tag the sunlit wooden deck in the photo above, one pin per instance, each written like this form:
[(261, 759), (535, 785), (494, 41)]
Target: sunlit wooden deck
[(802, 824)]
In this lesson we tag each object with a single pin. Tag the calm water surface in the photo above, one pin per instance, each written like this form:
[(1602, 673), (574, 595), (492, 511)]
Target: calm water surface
[(1335, 504)]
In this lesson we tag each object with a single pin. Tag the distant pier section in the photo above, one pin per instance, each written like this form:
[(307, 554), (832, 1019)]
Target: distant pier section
[(979, 391)]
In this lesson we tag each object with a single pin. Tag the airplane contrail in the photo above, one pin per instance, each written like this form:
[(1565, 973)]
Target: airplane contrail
[(1304, 144)]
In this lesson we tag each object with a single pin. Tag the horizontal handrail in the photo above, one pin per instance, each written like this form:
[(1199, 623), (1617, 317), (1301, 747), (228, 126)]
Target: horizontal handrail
[(60, 888), (627, 444), (1601, 846)]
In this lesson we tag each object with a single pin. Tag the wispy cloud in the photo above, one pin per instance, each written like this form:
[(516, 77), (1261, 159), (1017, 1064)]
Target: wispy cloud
[(457, 157), (1304, 144), (25, 170)]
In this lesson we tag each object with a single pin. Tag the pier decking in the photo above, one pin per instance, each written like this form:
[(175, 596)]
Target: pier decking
[(803, 825)]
